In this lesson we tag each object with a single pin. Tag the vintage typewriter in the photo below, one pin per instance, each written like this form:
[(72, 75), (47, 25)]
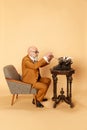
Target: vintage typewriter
[(64, 63)]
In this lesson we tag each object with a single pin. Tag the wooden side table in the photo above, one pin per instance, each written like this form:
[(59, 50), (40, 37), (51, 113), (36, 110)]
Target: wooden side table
[(62, 97)]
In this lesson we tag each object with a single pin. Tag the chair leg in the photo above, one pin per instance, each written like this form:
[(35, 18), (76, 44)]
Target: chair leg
[(17, 96), (35, 100), (12, 99)]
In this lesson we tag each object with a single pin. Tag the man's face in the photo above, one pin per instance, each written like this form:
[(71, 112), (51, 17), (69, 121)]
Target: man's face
[(33, 52)]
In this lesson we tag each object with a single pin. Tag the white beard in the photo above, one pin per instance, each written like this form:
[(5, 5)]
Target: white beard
[(36, 58)]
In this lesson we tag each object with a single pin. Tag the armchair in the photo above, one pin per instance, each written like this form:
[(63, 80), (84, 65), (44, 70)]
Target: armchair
[(15, 84)]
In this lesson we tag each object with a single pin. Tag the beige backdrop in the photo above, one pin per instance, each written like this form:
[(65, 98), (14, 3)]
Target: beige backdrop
[(59, 26)]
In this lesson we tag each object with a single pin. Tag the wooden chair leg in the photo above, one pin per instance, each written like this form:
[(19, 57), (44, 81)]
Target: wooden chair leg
[(35, 99), (17, 96), (12, 99)]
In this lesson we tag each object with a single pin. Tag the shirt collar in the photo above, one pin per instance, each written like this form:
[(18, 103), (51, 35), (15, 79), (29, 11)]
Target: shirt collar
[(31, 58)]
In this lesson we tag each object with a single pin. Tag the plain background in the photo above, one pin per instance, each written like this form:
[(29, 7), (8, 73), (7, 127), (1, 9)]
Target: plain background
[(59, 26)]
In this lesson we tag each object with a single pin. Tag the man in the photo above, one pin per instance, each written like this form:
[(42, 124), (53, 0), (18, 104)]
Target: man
[(31, 73)]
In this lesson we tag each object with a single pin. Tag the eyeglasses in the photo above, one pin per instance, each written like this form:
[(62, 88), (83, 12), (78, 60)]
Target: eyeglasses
[(35, 52)]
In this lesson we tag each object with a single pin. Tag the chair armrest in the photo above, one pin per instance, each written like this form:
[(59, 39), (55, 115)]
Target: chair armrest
[(17, 81), (19, 87)]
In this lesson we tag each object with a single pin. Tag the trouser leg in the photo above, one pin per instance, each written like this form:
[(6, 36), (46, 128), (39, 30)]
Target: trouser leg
[(45, 80), (42, 89), (42, 86)]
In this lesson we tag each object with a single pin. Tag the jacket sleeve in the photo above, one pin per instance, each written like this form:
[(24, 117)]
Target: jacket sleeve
[(36, 65)]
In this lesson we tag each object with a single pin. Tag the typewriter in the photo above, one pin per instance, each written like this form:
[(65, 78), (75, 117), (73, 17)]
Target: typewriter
[(64, 63)]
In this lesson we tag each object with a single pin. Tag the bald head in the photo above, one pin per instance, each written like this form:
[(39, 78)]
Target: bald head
[(32, 48), (33, 51)]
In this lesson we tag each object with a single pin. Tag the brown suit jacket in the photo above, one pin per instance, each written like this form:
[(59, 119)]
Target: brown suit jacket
[(30, 70)]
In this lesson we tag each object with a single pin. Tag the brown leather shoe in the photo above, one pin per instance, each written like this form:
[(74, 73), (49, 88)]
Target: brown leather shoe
[(44, 99), (38, 104)]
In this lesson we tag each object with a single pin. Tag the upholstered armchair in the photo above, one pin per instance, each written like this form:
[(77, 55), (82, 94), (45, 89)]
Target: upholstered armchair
[(15, 84)]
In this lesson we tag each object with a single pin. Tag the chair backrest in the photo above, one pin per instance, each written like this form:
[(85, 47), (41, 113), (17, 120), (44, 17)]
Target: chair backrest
[(15, 87), (11, 72)]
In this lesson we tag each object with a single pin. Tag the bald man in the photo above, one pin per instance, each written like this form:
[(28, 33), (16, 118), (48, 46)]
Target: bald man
[(31, 73)]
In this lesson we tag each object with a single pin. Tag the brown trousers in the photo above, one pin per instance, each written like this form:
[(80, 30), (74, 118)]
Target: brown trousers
[(42, 86)]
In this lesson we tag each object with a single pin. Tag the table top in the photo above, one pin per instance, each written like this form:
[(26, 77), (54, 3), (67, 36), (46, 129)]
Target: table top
[(62, 72)]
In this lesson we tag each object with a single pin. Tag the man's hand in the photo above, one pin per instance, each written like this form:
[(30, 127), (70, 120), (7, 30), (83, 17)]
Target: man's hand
[(49, 56)]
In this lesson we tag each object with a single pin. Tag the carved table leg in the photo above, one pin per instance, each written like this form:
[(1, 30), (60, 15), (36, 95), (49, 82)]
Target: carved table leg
[(67, 87), (70, 80), (69, 90), (54, 76)]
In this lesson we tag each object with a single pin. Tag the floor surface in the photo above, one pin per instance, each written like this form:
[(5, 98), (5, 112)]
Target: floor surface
[(23, 115)]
